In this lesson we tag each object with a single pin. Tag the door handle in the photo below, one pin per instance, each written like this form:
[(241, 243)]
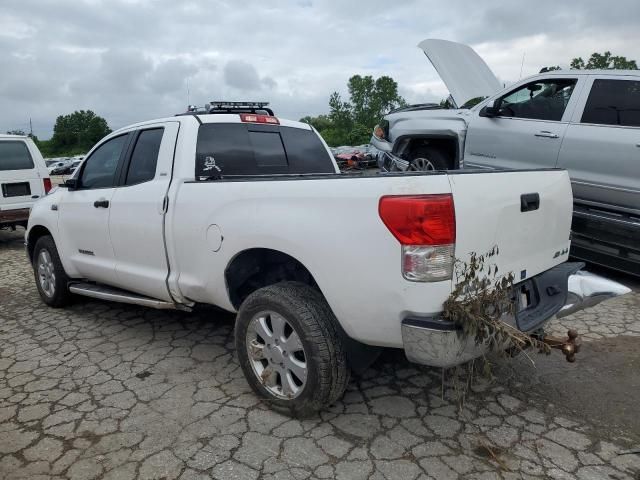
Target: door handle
[(529, 202), (102, 203), (546, 134)]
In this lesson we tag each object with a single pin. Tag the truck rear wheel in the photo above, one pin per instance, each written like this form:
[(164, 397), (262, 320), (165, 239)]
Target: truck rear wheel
[(51, 279), (289, 348), (427, 159)]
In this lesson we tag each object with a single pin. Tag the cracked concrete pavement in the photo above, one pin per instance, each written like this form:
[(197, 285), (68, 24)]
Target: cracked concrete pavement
[(103, 390)]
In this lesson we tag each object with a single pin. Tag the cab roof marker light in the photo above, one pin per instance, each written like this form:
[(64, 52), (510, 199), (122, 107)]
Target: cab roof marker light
[(252, 118)]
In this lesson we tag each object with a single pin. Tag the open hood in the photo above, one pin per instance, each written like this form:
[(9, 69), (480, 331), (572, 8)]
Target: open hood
[(462, 70)]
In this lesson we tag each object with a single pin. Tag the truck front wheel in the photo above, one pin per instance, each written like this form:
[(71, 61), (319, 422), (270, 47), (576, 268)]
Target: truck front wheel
[(290, 349), (51, 279), (427, 159)]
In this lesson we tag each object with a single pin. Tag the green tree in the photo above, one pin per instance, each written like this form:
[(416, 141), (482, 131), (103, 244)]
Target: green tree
[(604, 61), (78, 131), (351, 122), (370, 99)]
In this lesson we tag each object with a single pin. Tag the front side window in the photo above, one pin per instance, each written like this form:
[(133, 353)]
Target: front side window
[(542, 100), (14, 155), (613, 102), (100, 168), (144, 158)]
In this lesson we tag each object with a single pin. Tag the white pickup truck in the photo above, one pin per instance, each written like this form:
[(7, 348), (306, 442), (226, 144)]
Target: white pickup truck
[(249, 212)]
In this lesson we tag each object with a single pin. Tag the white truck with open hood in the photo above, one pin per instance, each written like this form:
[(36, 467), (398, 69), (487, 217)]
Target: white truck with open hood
[(236, 208)]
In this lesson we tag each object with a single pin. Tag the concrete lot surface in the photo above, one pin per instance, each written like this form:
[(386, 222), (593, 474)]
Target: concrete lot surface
[(103, 390)]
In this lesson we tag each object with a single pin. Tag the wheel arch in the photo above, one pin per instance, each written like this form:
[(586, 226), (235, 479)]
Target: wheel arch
[(35, 233), (406, 145), (254, 268)]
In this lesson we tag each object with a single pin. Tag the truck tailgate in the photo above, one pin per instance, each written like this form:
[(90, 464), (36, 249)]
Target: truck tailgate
[(526, 214)]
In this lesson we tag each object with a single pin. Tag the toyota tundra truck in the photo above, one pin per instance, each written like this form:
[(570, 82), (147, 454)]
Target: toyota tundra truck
[(234, 207)]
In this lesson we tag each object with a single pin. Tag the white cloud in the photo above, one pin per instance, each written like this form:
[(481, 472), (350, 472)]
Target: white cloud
[(131, 60)]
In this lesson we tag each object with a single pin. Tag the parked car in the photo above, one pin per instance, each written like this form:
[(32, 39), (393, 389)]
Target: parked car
[(587, 121), (23, 179), (67, 168), (355, 158), (250, 213), (55, 166)]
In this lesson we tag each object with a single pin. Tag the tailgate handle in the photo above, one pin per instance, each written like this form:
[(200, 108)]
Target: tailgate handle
[(529, 202)]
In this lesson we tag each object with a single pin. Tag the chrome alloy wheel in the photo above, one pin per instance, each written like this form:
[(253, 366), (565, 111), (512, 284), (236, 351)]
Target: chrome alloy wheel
[(276, 355), (46, 273), (421, 165)]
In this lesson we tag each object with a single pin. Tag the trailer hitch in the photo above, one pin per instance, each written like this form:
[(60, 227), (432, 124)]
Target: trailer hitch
[(569, 346)]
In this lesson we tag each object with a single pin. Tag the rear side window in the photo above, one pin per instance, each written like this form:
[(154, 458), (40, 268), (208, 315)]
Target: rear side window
[(144, 158), (613, 102), (240, 149), (14, 155)]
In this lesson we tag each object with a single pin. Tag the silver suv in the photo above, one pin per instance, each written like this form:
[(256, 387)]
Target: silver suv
[(587, 121)]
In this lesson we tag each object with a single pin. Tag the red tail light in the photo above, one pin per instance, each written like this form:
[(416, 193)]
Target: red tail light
[(47, 185), (254, 118), (420, 219)]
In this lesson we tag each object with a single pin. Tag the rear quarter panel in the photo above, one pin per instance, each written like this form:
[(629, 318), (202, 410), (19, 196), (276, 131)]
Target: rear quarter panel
[(330, 225)]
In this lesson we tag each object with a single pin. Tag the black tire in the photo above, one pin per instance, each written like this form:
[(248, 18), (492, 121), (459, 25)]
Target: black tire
[(59, 295), (309, 315), (434, 156)]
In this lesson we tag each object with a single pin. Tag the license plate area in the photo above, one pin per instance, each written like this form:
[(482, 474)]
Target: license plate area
[(525, 296), (18, 189)]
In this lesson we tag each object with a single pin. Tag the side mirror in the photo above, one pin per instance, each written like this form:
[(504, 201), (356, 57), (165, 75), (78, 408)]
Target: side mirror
[(72, 183), (491, 110)]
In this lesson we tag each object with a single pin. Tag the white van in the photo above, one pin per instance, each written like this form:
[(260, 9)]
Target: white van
[(24, 178)]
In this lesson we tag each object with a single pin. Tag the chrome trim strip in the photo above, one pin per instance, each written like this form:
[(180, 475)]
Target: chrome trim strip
[(95, 291), (604, 185), (606, 218)]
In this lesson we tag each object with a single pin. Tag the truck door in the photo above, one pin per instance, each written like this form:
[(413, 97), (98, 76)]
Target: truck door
[(84, 213), (136, 224), (601, 148), (526, 131)]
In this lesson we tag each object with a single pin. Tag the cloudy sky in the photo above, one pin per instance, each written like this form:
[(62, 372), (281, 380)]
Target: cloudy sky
[(131, 60)]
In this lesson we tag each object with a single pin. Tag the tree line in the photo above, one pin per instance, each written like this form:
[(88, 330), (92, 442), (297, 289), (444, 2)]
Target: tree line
[(73, 134)]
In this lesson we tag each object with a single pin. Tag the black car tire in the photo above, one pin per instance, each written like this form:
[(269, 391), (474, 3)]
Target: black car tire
[(429, 155), (51, 279), (308, 315)]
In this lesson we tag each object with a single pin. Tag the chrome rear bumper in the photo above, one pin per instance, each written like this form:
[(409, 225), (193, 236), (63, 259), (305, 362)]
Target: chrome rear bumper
[(431, 341)]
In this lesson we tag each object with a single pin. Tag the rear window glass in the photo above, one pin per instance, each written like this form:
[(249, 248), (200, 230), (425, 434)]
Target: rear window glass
[(14, 155), (268, 149), (240, 149), (613, 102)]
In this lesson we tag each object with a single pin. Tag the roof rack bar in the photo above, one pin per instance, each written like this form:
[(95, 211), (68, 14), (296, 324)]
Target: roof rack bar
[(222, 104), (229, 107)]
